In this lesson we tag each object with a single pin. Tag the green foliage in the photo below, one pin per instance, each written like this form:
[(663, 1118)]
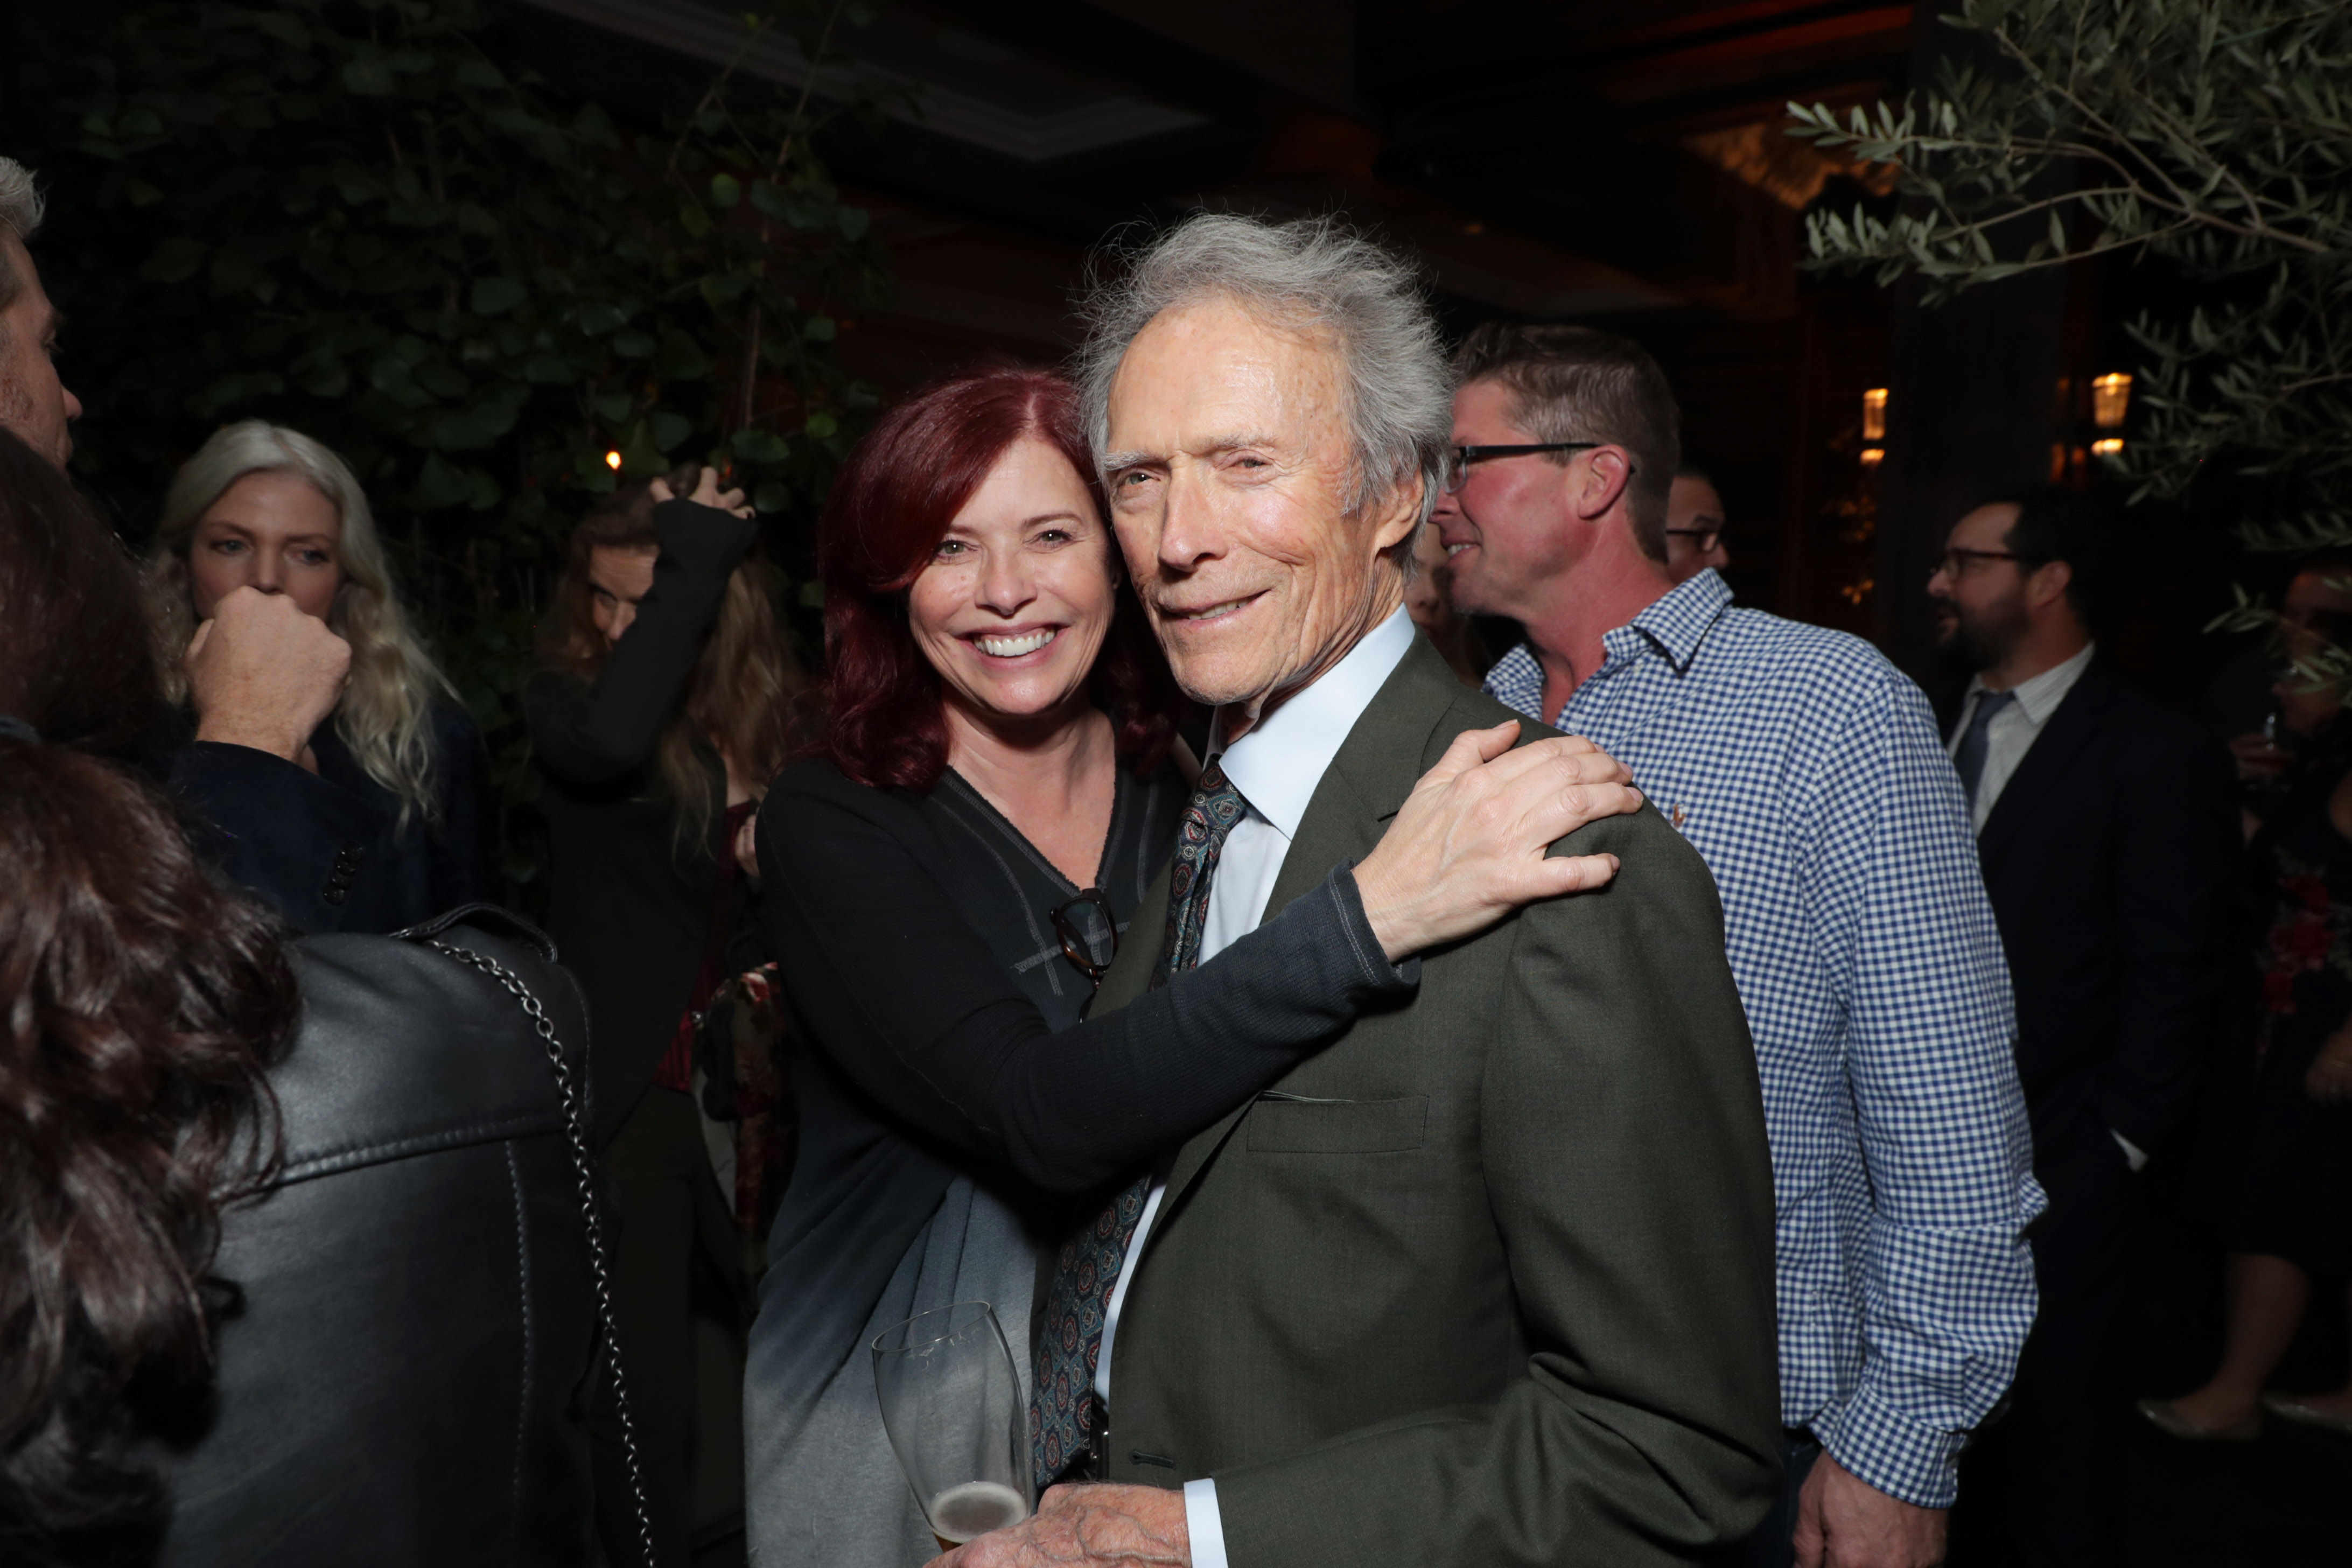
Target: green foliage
[(353, 217), (2216, 136)]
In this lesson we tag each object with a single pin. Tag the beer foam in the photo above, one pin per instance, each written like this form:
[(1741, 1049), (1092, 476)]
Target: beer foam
[(975, 1508)]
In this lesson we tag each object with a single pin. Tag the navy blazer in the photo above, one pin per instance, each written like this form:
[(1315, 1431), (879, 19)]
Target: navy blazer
[(2108, 857), (327, 850)]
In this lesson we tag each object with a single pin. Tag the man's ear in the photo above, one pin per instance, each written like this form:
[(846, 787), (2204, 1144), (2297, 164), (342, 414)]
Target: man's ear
[(1604, 476), (1401, 514), (2049, 583)]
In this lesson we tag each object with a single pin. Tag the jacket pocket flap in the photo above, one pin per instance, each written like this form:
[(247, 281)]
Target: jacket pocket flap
[(1282, 1125)]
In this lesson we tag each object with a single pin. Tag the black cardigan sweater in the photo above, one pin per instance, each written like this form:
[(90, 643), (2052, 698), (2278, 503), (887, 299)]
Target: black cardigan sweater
[(629, 908)]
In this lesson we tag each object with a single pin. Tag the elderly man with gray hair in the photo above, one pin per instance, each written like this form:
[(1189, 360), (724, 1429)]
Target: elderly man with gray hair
[(34, 403), (1489, 1279)]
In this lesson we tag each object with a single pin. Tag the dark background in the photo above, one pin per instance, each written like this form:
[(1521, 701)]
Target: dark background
[(1621, 164)]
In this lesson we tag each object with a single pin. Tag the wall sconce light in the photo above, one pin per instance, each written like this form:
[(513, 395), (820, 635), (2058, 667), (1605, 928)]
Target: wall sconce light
[(1873, 415), (612, 460), (2110, 394), (2108, 447), (1873, 455)]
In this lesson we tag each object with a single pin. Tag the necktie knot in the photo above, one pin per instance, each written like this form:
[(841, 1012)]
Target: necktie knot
[(1977, 740), (1208, 819)]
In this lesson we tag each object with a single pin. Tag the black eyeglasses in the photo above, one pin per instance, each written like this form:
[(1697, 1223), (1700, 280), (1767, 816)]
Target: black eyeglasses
[(1458, 474), (1077, 947), (1955, 561)]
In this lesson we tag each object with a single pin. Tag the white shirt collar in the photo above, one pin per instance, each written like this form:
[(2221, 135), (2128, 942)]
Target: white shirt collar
[(1278, 763), (2040, 697)]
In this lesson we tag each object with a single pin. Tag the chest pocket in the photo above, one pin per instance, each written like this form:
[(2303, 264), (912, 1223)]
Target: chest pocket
[(1289, 1124)]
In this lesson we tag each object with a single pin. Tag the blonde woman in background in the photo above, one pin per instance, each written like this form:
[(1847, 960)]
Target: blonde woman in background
[(263, 510)]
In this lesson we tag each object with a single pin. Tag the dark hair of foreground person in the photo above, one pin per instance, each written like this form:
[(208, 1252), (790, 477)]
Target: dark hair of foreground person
[(135, 1039), (75, 660), (889, 508), (134, 1049)]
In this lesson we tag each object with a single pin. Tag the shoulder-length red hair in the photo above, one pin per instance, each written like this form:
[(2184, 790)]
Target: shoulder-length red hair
[(891, 504)]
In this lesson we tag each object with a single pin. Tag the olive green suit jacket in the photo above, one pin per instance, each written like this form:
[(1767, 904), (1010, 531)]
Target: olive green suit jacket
[(1489, 1279)]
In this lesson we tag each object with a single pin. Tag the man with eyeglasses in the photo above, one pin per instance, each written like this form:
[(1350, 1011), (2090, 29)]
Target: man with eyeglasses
[(1694, 525), (1808, 773), (2104, 828)]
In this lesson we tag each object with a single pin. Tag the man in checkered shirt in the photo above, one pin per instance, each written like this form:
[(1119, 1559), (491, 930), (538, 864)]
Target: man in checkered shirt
[(1808, 771)]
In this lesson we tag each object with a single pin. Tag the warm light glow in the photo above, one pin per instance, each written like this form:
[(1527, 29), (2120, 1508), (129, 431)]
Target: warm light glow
[(1873, 416), (2109, 395), (1873, 455), (2113, 447), (613, 459)]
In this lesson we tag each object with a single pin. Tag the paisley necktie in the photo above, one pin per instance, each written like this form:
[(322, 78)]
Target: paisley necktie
[(1061, 1407)]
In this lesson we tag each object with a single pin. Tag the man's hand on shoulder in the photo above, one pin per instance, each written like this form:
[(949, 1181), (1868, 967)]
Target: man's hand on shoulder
[(1843, 1521), (1095, 1526), (263, 674)]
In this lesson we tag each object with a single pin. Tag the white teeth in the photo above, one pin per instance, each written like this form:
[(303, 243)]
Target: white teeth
[(1219, 612), (1454, 550), (1013, 647)]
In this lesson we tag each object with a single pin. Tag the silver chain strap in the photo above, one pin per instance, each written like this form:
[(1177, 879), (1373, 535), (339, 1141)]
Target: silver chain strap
[(576, 1134)]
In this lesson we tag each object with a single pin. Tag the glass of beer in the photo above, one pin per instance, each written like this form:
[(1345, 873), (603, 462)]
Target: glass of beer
[(952, 1404)]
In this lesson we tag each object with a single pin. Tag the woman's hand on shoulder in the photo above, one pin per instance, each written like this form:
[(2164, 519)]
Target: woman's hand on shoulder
[(706, 494), (1469, 845)]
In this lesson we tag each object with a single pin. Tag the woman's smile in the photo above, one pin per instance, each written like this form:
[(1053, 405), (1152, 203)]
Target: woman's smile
[(1007, 646)]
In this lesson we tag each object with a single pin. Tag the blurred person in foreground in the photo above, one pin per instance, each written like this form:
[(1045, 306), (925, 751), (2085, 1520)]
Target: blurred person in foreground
[(1694, 525), (261, 510), (2104, 827), (2273, 1172), (994, 784), (1808, 771), (1488, 1278), (656, 719), (268, 675), (289, 1236)]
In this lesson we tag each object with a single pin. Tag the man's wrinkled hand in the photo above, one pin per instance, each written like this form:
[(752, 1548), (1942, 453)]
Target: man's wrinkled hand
[(1843, 1521), (1468, 846), (1093, 1526), (263, 674)]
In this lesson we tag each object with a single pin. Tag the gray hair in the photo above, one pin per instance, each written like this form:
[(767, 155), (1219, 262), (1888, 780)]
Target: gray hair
[(20, 216), (386, 714), (1312, 275)]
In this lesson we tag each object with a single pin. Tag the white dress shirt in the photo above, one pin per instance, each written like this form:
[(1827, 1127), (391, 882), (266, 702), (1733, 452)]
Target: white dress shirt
[(2007, 738), (1276, 768), (2015, 728)]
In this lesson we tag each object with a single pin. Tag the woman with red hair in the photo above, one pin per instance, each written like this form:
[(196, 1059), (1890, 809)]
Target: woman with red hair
[(996, 784)]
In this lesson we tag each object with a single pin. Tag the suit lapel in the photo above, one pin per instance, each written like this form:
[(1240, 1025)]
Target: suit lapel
[(2045, 762), (1367, 781)]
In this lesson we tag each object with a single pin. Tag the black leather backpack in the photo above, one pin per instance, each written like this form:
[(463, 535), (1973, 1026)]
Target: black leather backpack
[(405, 1370)]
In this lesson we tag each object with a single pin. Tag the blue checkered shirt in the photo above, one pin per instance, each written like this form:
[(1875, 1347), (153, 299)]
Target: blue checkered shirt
[(1807, 771)]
